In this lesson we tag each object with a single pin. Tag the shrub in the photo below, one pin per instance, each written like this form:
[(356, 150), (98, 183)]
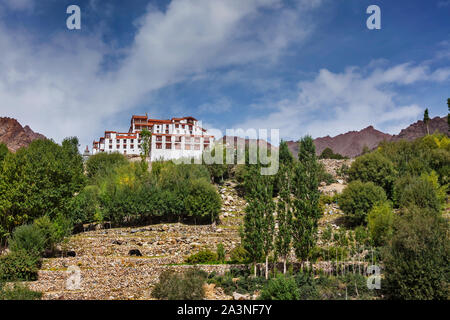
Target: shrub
[(203, 202), (417, 191), (53, 232), (282, 287), (374, 167), (307, 286), (185, 286), (380, 223), (328, 153), (417, 259), (85, 206), (204, 256), (28, 238), (39, 180), (19, 266), (239, 255), (220, 253), (362, 235), (101, 163), (18, 292), (358, 198)]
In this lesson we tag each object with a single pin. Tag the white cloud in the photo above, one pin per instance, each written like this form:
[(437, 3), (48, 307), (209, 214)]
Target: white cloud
[(334, 103), (60, 89), (221, 105), (20, 5)]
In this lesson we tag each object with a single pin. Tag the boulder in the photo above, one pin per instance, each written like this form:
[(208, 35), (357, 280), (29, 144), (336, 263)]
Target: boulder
[(238, 296)]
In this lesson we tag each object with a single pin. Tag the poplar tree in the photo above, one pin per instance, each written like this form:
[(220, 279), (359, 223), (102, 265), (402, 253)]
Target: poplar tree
[(259, 224), (268, 208), (306, 203), (145, 147), (448, 114), (283, 239), (252, 238), (426, 119)]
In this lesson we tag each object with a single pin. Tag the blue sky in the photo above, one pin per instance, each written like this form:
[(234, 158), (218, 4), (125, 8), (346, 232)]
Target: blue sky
[(301, 66)]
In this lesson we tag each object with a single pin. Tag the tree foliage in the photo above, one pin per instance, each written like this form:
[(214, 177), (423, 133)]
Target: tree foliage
[(417, 259), (306, 202), (358, 198), (376, 168), (39, 180)]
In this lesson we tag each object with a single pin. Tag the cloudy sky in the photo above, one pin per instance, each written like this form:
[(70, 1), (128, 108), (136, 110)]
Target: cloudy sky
[(302, 66)]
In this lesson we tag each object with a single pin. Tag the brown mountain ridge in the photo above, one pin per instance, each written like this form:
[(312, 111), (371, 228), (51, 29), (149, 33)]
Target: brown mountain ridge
[(351, 144), (15, 136)]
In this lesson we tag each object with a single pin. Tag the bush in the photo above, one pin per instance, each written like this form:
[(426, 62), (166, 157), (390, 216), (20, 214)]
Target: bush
[(102, 163), (18, 292), (202, 257), (374, 167), (417, 259), (185, 286), (328, 153), (86, 205), (220, 253), (28, 238), (53, 232), (417, 191), (239, 255), (203, 202), (39, 180), (358, 198), (307, 286), (282, 287), (380, 223), (19, 266)]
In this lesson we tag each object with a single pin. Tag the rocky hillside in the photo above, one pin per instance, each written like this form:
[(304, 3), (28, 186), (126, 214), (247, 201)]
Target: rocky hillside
[(351, 144), (14, 135), (419, 129)]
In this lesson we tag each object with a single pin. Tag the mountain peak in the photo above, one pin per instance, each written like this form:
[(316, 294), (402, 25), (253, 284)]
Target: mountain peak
[(14, 135)]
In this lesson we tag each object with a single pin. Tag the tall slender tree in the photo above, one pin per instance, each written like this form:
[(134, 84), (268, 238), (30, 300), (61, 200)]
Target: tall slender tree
[(306, 203), (251, 236), (259, 224), (283, 240), (426, 119), (448, 114), (145, 147)]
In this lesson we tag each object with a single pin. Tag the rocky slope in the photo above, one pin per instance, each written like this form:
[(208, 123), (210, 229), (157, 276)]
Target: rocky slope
[(109, 272), (419, 129), (14, 135)]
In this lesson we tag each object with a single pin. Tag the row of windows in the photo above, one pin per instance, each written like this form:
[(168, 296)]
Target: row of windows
[(186, 139), (124, 146), (177, 146)]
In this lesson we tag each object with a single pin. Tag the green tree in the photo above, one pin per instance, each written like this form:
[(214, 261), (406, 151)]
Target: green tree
[(376, 168), (358, 198), (426, 119), (281, 288), (306, 203), (103, 163), (38, 180), (380, 222), (448, 114), (417, 259), (423, 192), (146, 144), (283, 239), (3, 152), (252, 234)]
